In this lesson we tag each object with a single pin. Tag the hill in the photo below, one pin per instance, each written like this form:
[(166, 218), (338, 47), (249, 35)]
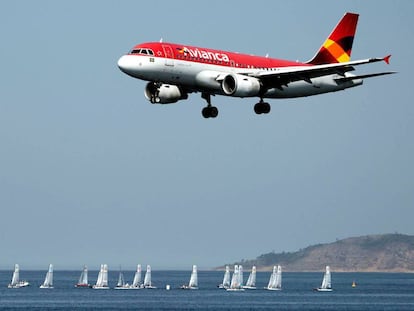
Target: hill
[(372, 253)]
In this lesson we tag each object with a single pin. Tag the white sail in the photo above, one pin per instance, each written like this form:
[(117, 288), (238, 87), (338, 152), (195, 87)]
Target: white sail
[(102, 281), (272, 278), (48, 283), (84, 276), (99, 280), (240, 275), (121, 281), (326, 281), (251, 281), (226, 279), (237, 279), (194, 278), (147, 278), (137, 278), (16, 277), (105, 275), (83, 279), (275, 281), (278, 281)]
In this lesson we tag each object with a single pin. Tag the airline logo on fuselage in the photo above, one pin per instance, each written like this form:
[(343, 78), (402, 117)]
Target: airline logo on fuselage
[(208, 55)]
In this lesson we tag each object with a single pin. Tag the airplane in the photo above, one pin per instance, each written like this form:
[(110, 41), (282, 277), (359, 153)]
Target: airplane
[(173, 71)]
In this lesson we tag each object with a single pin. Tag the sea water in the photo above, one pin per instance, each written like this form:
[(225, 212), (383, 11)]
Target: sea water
[(374, 291)]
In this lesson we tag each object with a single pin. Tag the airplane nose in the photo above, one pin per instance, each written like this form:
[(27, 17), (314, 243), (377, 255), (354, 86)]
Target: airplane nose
[(123, 63)]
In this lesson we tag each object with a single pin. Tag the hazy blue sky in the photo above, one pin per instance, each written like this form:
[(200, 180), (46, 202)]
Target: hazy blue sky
[(91, 172)]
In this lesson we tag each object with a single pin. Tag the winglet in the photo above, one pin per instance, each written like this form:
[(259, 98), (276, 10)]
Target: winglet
[(386, 59)]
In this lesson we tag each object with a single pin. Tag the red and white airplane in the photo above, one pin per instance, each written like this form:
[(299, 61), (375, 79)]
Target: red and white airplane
[(175, 70)]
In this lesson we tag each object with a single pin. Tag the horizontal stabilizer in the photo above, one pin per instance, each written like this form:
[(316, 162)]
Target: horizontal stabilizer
[(350, 78), (387, 59)]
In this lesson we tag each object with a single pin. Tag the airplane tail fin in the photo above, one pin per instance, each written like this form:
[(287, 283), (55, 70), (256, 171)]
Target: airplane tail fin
[(337, 48)]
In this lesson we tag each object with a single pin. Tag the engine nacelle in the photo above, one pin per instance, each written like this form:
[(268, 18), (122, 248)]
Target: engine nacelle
[(163, 93), (207, 79), (240, 85)]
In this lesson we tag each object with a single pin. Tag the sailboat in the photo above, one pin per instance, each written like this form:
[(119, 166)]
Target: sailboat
[(121, 281), (226, 279), (48, 283), (83, 279), (102, 281), (236, 283), (136, 283), (193, 284), (326, 282), (251, 281), (272, 278), (147, 278), (15, 282), (275, 281)]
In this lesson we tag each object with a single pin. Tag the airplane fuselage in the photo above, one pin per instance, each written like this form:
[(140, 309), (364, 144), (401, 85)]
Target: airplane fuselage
[(198, 69)]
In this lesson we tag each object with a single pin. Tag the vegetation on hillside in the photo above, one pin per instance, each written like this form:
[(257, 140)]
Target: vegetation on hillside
[(386, 252)]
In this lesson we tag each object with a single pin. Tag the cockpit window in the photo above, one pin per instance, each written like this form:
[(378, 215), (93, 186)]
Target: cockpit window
[(142, 51), (135, 51)]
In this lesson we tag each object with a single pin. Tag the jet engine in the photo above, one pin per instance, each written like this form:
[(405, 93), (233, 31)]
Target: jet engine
[(240, 85), (158, 93)]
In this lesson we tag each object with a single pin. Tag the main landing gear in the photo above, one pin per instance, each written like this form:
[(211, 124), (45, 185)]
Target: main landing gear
[(209, 111), (262, 107), (212, 112)]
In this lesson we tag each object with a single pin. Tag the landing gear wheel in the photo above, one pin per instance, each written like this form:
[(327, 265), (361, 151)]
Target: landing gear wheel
[(209, 112), (262, 107), (213, 112), (205, 112), (257, 108), (266, 108)]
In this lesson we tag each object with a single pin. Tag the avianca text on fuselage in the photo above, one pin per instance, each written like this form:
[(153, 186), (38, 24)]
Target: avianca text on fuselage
[(173, 71), (208, 55)]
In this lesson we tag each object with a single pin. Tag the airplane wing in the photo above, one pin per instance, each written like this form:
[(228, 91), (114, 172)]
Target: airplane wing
[(277, 77)]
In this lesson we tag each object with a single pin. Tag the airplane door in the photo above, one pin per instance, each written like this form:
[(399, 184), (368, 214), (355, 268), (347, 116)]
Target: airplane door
[(169, 55)]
